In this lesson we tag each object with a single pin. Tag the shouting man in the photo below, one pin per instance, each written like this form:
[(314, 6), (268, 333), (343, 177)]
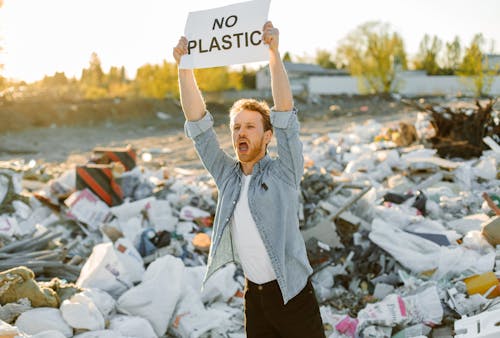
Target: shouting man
[(256, 221)]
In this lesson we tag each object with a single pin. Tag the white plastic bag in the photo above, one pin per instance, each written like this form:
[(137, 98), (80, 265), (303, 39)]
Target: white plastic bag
[(192, 319), (412, 251), (391, 311), (130, 258), (220, 286), (156, 296), (42, 319), (103, 300), (48, 334), (103, 334), (81, 313), (132, 326), (424, 307), (104, 270), (160, 215)]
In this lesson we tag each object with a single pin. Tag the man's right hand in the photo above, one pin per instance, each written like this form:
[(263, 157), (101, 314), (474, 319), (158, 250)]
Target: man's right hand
[(181, 49)]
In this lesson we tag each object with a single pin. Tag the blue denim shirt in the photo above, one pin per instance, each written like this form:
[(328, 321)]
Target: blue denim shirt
[(273, 198)]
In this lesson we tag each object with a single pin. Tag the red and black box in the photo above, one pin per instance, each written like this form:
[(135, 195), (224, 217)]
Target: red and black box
[(124, 155), (99, 179)]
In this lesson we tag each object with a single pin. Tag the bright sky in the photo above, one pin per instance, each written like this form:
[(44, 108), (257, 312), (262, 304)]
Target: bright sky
[(42, 37)]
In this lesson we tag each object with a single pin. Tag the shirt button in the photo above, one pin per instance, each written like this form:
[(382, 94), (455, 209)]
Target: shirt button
[(234, 202), (260, 287)]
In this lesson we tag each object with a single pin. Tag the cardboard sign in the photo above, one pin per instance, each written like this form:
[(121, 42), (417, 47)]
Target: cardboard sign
[(226, 35)]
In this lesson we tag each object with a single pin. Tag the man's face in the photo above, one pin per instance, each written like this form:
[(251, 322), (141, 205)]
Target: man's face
[(249, 137)]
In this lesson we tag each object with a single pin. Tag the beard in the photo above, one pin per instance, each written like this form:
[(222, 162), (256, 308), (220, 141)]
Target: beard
[(252, 152)]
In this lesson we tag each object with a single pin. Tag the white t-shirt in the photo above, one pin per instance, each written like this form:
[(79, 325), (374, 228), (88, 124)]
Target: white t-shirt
[(251, 250)]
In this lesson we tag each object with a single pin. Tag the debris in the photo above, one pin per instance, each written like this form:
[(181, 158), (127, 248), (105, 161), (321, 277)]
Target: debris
[(459, 132), (42, 319), (484, 325), (19, 282), (485, 284), (491, 230), (127, 156), (101, 180)]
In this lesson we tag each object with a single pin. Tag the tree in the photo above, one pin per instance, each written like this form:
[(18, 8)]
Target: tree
[(325, 59), (475, 70), (116, 82), (92, 79), (218, 79), (287, 57), (157, 81), (452, 55), (374, 54), (248, 78), (428, 54)]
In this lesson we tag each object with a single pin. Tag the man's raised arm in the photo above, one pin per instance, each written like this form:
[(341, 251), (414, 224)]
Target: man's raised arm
[(192, 101), (282, 93)]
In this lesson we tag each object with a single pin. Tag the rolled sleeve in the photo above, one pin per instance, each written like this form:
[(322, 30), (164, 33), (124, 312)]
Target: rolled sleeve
[(194, 128), (282, 119)]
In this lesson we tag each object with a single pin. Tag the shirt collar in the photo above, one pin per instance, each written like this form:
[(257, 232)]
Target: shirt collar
[(258, 167)]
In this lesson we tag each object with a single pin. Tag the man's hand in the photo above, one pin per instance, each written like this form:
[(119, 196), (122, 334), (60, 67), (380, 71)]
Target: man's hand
[(181, 49), (271, 36)]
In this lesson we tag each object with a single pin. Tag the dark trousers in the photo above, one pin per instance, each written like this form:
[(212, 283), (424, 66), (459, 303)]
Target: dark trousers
[(267, 317)]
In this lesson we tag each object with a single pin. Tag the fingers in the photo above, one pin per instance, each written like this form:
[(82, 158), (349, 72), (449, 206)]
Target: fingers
[(270, 34), (181, 49)]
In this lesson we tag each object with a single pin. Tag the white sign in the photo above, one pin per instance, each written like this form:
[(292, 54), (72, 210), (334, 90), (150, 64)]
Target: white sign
[(226, 35)]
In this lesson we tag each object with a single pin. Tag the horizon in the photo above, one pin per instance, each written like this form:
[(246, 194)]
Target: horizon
[(63, 35)]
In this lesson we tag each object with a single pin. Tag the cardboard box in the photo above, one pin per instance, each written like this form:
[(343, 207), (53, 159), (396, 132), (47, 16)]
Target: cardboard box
[(99, 179), (491, 231), (124, 155)]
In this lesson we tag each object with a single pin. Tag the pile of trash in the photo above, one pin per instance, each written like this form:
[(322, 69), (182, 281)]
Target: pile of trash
[(403, 243)]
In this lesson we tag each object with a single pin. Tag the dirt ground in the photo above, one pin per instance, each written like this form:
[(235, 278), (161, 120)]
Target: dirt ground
[(63, 134)]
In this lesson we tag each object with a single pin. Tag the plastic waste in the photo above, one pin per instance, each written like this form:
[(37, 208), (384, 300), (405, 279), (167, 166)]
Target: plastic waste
[(80, 312), (151, 299), (42, 319), (132, 326)]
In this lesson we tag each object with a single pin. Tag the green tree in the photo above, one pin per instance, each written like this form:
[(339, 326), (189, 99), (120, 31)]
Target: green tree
[(325, 59), (374, 54), (427, 58), (475, 70), (287, 57), (117, 83), (218, 79), (452, 55), (157, 81), (248, 78), (92, 80)]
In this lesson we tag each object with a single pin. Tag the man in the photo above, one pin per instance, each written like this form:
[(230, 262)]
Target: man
[(256, 220)]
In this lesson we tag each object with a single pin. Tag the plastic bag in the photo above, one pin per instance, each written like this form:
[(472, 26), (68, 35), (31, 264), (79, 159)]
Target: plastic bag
[(104, 302), (105, 270), (81, 313), (42, 319), (132, 326), (156, 296)]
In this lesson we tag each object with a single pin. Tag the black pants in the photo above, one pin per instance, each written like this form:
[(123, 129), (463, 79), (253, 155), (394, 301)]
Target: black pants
[(267, 317)]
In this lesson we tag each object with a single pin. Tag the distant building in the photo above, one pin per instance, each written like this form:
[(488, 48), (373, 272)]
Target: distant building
[(493, 61), (298, 74)]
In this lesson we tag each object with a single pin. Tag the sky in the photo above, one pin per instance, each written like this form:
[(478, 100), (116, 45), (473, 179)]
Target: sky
[(43, 37)]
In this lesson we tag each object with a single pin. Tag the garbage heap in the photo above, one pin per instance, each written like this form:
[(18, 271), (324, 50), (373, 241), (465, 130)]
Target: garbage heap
[(403, 243)]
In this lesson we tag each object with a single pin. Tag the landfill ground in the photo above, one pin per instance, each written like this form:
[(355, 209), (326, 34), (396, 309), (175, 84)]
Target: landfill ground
[(393, 232), (67, 139)]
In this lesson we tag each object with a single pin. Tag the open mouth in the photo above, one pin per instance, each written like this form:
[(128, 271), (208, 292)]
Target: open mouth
[(243, 146)]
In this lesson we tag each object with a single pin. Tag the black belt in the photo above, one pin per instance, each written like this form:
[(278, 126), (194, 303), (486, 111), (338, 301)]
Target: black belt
[(265, 286)]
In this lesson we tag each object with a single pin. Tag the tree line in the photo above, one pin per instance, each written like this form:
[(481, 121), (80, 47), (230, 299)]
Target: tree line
[(372, 52)]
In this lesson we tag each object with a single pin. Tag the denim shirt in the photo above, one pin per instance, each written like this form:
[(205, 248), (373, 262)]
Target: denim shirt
[(273, 198)]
